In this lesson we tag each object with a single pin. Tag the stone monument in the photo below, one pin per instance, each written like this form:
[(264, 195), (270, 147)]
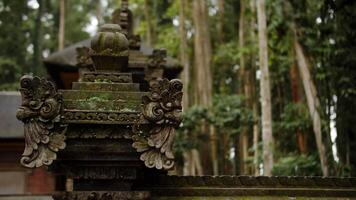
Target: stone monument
[(110, 137)]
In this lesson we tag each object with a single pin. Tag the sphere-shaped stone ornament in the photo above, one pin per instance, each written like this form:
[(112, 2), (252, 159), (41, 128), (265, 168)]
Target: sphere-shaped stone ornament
[(110, 49)]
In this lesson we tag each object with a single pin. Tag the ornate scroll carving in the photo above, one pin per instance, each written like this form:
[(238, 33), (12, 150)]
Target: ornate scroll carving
[(163, 109), (39, 112)]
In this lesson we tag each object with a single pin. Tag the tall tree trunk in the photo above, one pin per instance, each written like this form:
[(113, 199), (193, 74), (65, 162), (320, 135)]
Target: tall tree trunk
[(197, 164), (193, 167), (266, 108), (61, 31), (254, 99), (313, 104), (184, 56), (37, 39), (294, 78), (149, 20), (256, 131), (192, 164), (221, 11), (243, 139), (202, 51)]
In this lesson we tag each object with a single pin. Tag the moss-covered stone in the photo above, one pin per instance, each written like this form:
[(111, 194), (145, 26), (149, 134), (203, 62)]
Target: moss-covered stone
[(95, 103), (106, 86), (102, 95)]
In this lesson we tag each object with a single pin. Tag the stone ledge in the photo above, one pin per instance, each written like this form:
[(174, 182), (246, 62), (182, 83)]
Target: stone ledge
[(251, 186)]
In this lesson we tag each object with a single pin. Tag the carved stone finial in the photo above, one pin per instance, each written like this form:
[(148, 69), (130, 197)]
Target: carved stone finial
[(123, 17), (155, 65), (163, 109), (39, 112), (110, 49)]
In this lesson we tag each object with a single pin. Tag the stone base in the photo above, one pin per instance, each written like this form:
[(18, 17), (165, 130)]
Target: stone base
[(103, 195)]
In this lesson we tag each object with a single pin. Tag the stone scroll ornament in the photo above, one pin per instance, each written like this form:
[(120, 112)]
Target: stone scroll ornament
[(162, 108), (39, 112)]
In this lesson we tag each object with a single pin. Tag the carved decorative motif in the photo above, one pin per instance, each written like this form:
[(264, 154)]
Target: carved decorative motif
[(163, 109), (135, 42), (83, 58), (99, 132), (103, 173), (75, 116), (158, 58), (120, 195), (155, 66), (39, 112), (108, 77), (123, 17)]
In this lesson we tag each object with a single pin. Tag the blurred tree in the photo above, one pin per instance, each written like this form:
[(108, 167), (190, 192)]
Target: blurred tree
[(266, 118), (150, 28), (203, 77), (37, 38), (61, 30), (223, 36)]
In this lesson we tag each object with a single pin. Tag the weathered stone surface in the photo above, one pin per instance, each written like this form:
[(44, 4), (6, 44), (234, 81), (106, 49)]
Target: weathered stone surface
[(100, 104), (103, 195), (100, 117), (77, 131), (102, 95), (110, 77), (110, 49), (106, 86), (40, 113), (162, 108), (250, 187)]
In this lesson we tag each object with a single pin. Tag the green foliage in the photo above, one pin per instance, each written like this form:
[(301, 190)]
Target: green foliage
[(295, 117), (9, 74), (225, 66), (168, 39), (190, 128), (228, 113), (326, 30), (295, 164)]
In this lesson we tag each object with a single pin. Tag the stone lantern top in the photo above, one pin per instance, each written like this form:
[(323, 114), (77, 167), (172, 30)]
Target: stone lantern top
[(110, 49)]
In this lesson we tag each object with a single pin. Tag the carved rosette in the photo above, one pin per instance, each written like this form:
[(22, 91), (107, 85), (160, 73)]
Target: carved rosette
[(39, 112), (163, 109)]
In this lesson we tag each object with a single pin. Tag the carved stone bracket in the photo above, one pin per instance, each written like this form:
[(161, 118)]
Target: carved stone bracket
[(39, 111), (163, 109)]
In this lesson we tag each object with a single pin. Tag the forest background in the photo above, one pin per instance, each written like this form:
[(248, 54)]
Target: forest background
[(270, 85)]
